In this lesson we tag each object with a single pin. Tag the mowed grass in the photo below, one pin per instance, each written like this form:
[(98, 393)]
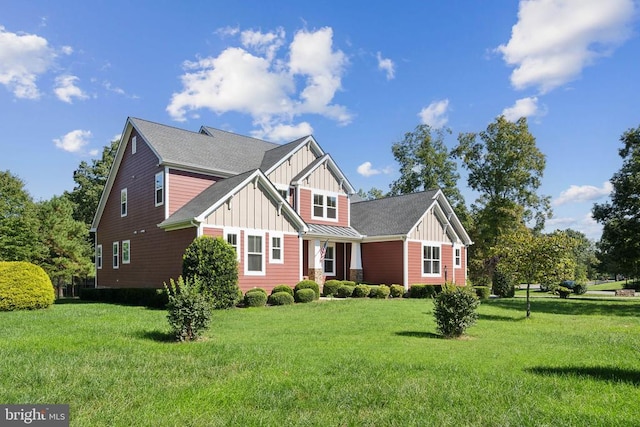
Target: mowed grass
[(352, 363)]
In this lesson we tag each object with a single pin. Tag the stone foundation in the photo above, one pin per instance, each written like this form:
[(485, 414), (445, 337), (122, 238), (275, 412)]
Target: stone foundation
[(316, 275), (356, 275)]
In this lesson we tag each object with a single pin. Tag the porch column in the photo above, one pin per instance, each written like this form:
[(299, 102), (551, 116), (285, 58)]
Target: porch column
[(316, 270), (355, 269)]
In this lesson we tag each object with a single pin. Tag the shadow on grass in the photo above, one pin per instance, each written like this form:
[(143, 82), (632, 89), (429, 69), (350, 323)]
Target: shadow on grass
[(418, 334), (571, 306), (72, 301), (156, 335), (603, 373), (501, 318)]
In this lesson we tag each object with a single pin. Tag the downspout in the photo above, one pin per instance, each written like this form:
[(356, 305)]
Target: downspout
[(405, 263), (95, 262)]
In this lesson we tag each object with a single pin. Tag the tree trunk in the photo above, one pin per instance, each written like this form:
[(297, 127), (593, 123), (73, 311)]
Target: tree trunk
[(528, 302)]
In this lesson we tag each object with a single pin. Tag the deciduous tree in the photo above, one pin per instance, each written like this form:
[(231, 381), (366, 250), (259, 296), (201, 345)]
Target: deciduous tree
[(505, 167), (619, 246), (536, 258)]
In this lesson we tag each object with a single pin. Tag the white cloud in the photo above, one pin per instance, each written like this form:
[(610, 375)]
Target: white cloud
[(23, 57), (67, 50), (367, 170), (73, 141), (253, 81), (386, 65), (66, 89), (585, 224), (435, 115), (554, 40), (524, 107), (283, 132), (583, 193)]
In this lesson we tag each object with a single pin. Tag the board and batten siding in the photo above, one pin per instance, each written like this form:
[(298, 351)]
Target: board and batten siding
[(291, 167), (156, 255), (251, 208), (429, 228), (184, 186)]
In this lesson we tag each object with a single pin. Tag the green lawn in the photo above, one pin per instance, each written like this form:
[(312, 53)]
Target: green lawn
[(354, 362)]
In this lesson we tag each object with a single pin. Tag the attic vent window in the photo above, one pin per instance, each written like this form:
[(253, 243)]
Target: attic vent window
[(134, 145)]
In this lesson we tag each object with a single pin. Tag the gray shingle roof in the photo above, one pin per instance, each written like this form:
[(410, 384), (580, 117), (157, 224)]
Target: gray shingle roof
[(217, 151), (391, 216), (274, 155), (203, 201)]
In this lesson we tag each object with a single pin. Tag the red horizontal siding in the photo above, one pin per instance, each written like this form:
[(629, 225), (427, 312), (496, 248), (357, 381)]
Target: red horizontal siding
[(184, 186), (382, 262)]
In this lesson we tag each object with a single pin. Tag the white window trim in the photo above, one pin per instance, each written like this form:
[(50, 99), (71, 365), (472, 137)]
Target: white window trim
[(99, 257), (134, 145), (457, 260), (235, 231), (331, 245), (432, 244), (126, 243), (126, 203), (115, 255), (155, 188), (276, 260), (324, 195), (263, 270)]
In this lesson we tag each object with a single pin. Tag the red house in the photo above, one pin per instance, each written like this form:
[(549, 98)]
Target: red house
[(288, 210)]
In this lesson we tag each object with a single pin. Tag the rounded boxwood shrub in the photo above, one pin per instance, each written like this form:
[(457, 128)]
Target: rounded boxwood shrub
[(256, 289), (361, 291), (345, 291), (563, 292), (281, 298), (455, 310), (380, 292), (305, 295), (24, 286), (422, 291), (308, 284), (580, 289), (282, 288), (255, 298), (215, 263), (397, 291), (349, 283), (503, 285), (483, 292), (330, 287)]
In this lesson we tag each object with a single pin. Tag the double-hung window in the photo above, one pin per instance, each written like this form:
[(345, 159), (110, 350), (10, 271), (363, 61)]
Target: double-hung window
[(277, 251), (254, 259), (232, 237), (126, 251), (329, 263), (457, 257), (431, 260), (116, 255), (123, 202), (159, 188), (325, 206), (99, 257)]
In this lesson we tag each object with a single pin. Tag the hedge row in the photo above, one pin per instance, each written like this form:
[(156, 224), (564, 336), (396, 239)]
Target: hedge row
[(146, 297)]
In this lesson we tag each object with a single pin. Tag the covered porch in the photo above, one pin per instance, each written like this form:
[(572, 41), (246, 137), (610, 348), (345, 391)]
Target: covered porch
[(332, 252)]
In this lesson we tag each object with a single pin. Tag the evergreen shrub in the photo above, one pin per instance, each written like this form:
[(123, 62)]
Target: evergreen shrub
[(330, 287), (215, 263), (282, 288), (255, 298), (361, 291), (455, 310), (308, 284), (397, 291), (580, 289), (24, 286), (281, 298), (503, 285), (345, 291), (381, 292), (305, 295), (483, 292)]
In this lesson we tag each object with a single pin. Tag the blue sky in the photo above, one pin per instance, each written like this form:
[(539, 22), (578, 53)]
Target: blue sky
[(357, 75)]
